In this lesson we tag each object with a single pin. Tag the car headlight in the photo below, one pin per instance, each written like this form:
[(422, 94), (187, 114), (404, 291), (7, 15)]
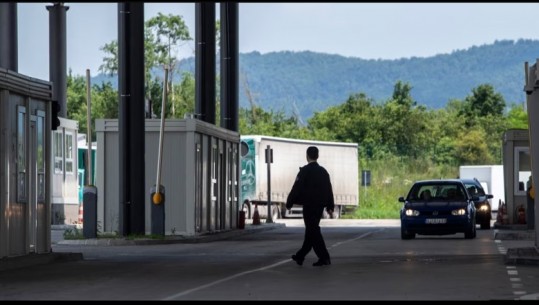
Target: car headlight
[(484, 208), (458, 212), (410, 212)]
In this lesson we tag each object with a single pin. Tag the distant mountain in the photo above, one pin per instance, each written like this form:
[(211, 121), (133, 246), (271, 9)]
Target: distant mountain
[(307, 82)]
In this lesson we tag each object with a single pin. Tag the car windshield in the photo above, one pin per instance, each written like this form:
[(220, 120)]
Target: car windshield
[(437, 191)]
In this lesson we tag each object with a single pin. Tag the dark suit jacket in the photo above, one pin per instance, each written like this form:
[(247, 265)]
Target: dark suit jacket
[(312, 187)]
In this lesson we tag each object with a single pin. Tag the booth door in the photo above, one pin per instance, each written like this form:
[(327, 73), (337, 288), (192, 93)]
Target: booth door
[(37, 235)]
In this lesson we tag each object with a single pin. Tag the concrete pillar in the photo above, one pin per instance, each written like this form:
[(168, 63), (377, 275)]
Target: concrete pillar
[(205, 61), (57, 55), (8, 36), (229, 66), (131, 117)]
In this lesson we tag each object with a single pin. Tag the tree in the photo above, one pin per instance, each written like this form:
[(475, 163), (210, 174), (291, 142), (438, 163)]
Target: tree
[(110, 61), (402, 94), (76, 100), (270, 123), (483, 101), (163, 35), (404, 123), (348, 122), (472, 149), (185, 92), (169, 31), (517, 117), (104, 101)]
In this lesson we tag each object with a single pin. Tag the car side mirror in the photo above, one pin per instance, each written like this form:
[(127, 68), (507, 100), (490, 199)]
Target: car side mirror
[(490, 196), (401, 199)]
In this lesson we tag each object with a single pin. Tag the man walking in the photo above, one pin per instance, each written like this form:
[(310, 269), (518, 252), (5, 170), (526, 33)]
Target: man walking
[(312, 189)]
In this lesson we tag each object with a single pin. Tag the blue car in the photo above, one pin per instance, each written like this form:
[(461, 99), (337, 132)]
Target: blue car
[(438, 207)]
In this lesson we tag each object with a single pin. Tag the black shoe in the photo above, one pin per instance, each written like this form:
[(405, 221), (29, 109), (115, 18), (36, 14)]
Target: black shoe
[(322, 262), (298, 260)]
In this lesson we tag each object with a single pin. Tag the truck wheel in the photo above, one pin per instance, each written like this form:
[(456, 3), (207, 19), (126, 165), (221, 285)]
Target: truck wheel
[(325, 214), (275, 212), (336, 212), (247, 209)]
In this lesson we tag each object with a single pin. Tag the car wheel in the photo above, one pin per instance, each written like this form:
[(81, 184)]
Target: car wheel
[(485, 225), (406, 235), (471, 232)]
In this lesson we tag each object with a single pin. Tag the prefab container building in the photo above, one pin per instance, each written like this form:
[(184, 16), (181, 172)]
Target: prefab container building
[(25, 171), (199, 173)]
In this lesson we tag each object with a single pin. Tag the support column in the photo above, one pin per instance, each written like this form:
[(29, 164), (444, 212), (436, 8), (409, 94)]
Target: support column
[(57, 55), (8, 36), (205, 61), (131, 117), (229, 66)]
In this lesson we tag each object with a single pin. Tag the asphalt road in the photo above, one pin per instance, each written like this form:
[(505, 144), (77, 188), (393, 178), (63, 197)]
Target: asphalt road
[(369, 262)]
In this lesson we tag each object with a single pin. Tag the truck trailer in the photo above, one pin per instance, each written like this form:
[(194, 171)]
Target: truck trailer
[(285, 157)]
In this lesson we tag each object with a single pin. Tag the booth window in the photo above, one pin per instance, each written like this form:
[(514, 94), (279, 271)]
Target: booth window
[(522, 169), (69, 152), (58, 150), (63, 152), (21, 154), (213, 172)]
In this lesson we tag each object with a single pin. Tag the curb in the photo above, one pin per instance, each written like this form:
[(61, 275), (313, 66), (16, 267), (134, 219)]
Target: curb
[(209, 237), (522, 256), (515, 235), (15, 262)]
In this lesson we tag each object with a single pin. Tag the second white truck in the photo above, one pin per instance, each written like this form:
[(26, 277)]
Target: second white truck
[(340, 160), (490, 177)]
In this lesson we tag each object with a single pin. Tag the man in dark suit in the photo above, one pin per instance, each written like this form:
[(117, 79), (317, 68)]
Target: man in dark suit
[(312, 189)]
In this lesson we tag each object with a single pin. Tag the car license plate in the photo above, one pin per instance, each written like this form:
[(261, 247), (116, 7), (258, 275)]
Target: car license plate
[(435, 220)]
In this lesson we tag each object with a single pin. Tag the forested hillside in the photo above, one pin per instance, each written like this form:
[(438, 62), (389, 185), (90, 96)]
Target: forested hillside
[(311, 81), (305, 82)]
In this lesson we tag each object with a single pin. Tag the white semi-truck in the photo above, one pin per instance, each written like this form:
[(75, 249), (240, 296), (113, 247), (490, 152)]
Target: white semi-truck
[(288, 155)]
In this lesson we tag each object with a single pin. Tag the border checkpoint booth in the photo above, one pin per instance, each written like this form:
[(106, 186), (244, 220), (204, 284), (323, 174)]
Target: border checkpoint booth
[(531, 87), (200, 172), (516, 170), (25, 173)]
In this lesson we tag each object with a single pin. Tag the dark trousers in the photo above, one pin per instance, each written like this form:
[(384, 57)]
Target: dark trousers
[(313, 236)]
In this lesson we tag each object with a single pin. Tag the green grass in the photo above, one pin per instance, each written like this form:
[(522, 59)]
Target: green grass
[(73, 234), (142, 236)]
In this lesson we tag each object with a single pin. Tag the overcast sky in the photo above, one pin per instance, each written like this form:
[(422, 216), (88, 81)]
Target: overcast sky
[(362, 30)]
